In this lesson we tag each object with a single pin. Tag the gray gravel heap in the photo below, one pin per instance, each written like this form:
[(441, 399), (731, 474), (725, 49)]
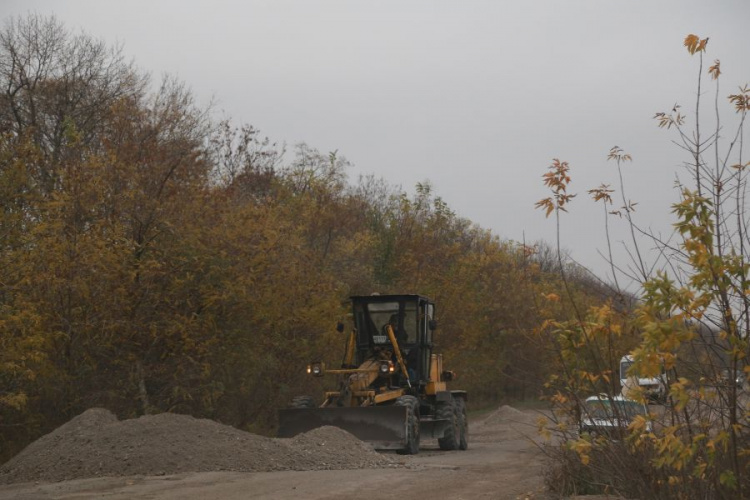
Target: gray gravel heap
[(506, 414), (505, 423), (96, 444)]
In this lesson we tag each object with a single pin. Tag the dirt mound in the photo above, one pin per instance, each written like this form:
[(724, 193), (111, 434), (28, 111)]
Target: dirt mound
[(504, 423), (96, 444), (334, 448), (508, 415)]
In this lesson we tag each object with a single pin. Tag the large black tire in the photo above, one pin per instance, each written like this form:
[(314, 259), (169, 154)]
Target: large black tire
[(411, 445), (302, 402), (463, 424), (446, 410)]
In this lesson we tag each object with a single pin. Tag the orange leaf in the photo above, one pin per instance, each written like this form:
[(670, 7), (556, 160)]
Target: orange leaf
[(695, 44), (715, 70)]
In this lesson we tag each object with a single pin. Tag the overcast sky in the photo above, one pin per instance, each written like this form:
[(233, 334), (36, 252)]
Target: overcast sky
[(476, 96)]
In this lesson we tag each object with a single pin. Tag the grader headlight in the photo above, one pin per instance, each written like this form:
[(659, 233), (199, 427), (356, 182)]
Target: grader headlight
[(386, 368), (316, 369)]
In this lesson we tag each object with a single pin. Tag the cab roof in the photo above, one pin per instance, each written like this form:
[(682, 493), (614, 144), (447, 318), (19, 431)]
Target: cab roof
[(386, 298)]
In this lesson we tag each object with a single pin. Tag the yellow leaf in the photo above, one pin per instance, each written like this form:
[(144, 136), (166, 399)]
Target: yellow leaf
[(691, 42), (715, 70), (695, 44), (702, 45)]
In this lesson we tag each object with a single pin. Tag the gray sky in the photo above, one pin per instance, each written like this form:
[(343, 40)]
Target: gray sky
[(476, 96)]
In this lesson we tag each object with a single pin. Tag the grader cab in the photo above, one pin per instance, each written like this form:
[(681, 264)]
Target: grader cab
[(391, 389)]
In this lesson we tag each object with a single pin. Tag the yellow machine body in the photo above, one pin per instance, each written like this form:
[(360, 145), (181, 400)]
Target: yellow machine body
[(391, 388)]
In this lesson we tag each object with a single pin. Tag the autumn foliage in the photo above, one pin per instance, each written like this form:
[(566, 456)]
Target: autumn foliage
[(691, 321), (155, 259)]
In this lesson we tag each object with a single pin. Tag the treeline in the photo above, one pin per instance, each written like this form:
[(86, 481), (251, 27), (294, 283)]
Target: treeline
[(152, 259)]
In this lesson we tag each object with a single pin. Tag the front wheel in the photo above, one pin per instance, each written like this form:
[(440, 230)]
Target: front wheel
[(411, 445), (446, 410)]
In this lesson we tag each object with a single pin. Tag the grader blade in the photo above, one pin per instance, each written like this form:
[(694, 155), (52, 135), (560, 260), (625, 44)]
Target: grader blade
[(384, 427)]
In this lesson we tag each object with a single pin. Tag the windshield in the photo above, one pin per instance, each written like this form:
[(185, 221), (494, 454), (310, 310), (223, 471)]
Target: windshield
[(373, 318), (624, 367), (382, 314), (603, 408)]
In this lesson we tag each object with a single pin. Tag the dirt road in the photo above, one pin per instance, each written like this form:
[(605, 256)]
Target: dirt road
[(501, 463)]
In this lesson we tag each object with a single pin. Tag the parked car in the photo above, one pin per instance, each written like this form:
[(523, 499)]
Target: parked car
[(611, 416)]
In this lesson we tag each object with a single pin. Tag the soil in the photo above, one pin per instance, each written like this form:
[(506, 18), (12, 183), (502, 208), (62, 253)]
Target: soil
[(171, 456)]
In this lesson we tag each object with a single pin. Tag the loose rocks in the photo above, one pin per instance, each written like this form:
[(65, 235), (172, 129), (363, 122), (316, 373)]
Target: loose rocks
[(506, 414), (96, 444), (334, 448), (504, 423)]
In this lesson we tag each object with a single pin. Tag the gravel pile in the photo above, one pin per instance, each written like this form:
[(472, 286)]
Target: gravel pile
[(507, 414), (334, 448), (96, 444), (505, 423)]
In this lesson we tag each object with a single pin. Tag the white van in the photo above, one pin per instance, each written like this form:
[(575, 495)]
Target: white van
[(655, 388)]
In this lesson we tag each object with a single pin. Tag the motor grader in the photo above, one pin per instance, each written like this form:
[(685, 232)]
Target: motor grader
[(391, 388)]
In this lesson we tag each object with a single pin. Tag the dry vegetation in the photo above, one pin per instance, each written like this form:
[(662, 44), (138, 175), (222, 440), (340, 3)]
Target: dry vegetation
[(155, 259), (692, 319)]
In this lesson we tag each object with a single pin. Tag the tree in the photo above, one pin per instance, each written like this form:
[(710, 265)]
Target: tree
[(53, 82), (691, 319), (154, 260)]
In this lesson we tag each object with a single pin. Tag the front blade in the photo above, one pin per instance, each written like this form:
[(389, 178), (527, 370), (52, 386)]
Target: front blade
[(382, 426)]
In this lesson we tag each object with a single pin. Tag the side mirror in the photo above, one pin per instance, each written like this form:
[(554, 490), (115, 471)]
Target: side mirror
[(432, 324), (340, 327)]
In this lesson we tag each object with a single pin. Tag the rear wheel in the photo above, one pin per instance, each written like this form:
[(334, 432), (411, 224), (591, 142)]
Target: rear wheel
[(411, 446), (463, 424), (446, 410), (302, 402)]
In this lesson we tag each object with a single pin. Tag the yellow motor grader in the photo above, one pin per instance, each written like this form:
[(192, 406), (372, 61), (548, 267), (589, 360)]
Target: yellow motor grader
[(391, 389)]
